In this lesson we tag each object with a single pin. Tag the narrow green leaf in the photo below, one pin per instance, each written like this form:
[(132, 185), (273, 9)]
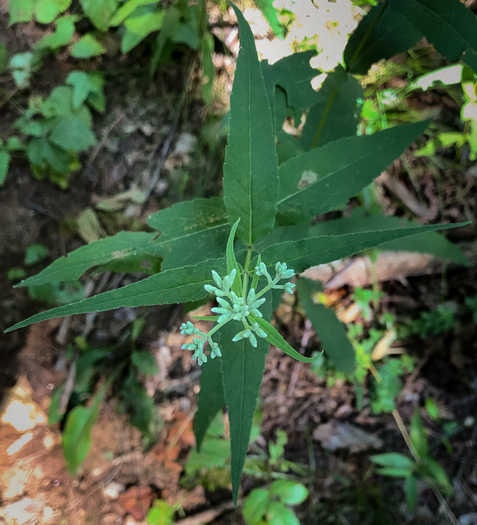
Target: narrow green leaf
[(447, 24), (242, 371), (410, 488), (303, 254), (418, 433), (429, 242), (335, 114), (127, 9), (4, 163), (394, 472), (323, 179), (210, 399), (205, 317), (232, 261), (393, 459), (251, 164), (274, 338), (289, 492), (382, 33), (172, 286), (437, 473), (99, 12), (208, 68), (329, 328), (139, 27)]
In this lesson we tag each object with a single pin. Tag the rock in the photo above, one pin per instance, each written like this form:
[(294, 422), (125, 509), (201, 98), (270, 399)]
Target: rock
[(113, 489), (338, 436)]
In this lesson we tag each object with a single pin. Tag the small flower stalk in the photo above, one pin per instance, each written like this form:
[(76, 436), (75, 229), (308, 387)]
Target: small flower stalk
[(232, 306)]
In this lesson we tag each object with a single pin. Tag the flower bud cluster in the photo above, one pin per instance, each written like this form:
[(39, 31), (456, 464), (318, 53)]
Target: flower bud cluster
[(232, 307)]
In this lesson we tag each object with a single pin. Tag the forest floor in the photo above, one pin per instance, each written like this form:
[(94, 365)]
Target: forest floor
[(329, 440)]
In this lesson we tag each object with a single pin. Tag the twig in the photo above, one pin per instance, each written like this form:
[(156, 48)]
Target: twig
[(105, 136), (207, 516)]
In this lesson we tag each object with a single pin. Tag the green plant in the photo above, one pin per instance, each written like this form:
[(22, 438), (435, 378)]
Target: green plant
[(271, 505), (269, 209), (421, 464)]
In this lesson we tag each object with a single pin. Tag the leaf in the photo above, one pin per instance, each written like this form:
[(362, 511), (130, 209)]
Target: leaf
[(172, 286), (127, 9), (270, 13), (395, 460), (418, 433), (320, 180), (4, 163), (242, 371), (256, 506), (87, 47), (336, 114), (394, 472), (278, 514), (447, 24), (65, 28), (437, 474), (82, 86), (430, 242), (329, 329), (304, 253), (382, 33), (47, 10), (410, 488), (289, 492), (99, 12), (208, 69), (232, 261), (35, 253), (71, 134), (251, 164), (145, 362), (76, 438), (55, 414), (20, 11), (139, 27), (210, 399), (274, 338)]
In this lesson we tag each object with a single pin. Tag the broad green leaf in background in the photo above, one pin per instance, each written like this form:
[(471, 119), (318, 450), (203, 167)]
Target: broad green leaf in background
[(251, 164), (323, 179), (21, 10), (161, 513), (99, 12), (329, 329), (35, 253), (336, 112), (304, 253), (172, 286), (289, 492), (65, 28), (88, 46), (242, 371), (127, 9), (47, 10), (139, 27), (447, 24), (278, 514), (72, 134), (270, 13), (256, 506), (210, 399), (83, 84), (382, 33), (76, 437)]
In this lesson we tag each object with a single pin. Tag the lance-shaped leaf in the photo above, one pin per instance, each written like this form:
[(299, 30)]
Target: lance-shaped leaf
[(304, 253), (251, 164), (232, 263), (447, 24), (210, 399), (172, 286), (336, 112), (201, 223), (323, 179), (382, 33), (429, 242), (329, 328), (242, 371), (276, 339)]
